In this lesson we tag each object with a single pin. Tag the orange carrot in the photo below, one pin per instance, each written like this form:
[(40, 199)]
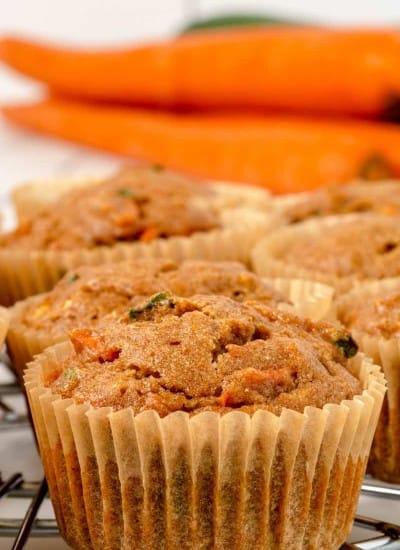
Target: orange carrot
[(305, 69), (286, 154), (148, 235)]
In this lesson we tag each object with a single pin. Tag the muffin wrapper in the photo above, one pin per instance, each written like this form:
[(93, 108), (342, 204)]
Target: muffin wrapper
[(283, 203), (384, 462), (266, 255), (309, 299), (233, 195), (24, 273), (4, 323), (206, 481)]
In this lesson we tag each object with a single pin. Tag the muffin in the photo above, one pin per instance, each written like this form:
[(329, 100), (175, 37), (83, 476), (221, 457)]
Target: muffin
[(137, 213), (372, 313), (338, 250), (31, 197), (91, 295), (205, 423), (382, 198)]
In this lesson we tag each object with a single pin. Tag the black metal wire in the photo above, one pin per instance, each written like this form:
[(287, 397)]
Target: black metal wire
[(389, 529), (30, 516), (11, 483)]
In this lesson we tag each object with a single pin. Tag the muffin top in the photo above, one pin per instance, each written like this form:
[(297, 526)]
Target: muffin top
[(208, 353), (137, 204), (377, 314), (367, 246), (381, 198), (92, 294)]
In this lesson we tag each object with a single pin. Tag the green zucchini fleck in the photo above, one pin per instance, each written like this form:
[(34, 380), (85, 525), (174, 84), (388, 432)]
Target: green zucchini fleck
[(160, 298), (347, 345), (126, 193), (74, 277)]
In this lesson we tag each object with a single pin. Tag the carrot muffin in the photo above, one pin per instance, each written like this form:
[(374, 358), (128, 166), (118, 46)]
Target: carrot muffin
[(31, 197), (336, 250), (208, 352), (137, 213), (372, 313), (134, 205), (205, 422), (381, 198), (91, 295)]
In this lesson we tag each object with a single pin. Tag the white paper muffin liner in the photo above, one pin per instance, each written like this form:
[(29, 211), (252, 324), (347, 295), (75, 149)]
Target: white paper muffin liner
[(25, 273), (282, 203), (4, 323), (309, 299), (206, 481), (384, 460), (268, 259)]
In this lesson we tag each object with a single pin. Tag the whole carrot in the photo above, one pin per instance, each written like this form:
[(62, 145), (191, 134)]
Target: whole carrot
[(304, 69), (286, 154)]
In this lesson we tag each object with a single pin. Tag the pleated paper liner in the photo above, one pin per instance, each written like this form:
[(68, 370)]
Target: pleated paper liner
[(24, 273), (207, 481), (268, 259), (4, 324), (282, 203), (233, 195), (29, 198), (309, 299), (384, 460)]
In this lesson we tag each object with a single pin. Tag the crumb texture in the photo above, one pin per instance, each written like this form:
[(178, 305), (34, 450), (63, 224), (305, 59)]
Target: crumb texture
[(208, 353)]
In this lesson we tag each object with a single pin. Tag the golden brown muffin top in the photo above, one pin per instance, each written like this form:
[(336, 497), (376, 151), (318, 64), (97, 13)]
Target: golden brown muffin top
[(90, 295), (377, 314), (381, 198), (366, 247), (208, 353), (137, 204)]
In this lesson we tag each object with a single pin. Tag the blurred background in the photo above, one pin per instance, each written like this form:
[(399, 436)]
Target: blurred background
[(116, 22)]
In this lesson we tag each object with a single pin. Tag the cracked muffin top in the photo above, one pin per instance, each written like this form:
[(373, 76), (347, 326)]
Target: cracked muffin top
[(90, 295), (208, 353), (138, 204), (377, 314), (366, 247), (381, 198)]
